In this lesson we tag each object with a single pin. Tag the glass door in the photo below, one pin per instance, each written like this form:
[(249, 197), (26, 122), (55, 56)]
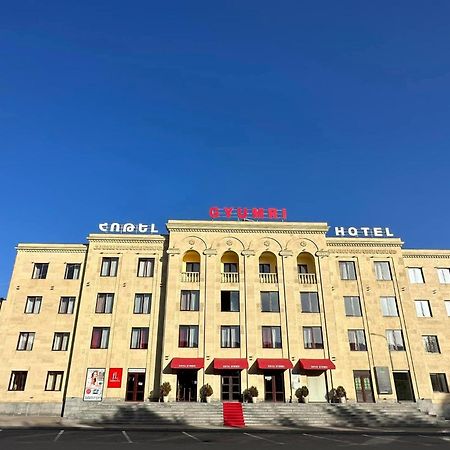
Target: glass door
[(135, 387), (363, 386), (231, 386), (274, 387), (187, 386), (403, 386)]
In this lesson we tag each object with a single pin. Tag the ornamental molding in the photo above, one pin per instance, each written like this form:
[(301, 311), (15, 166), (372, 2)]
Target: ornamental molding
[(364, 244), (173, 251), (364, 252), (210, 252), (51, 250), (246, 231), (130, 248), (322, 253), (427, 256), (248, 253), (286, 253)]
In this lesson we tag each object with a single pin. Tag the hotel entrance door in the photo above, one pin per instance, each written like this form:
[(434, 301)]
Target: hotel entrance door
[(187, 386), (231, 386), (363, 386), (274, 387), (135, 387)]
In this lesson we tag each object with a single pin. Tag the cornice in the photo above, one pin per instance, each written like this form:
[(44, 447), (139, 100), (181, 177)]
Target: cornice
[(427, 254), (364, 243), (52, 248), (105, 239)]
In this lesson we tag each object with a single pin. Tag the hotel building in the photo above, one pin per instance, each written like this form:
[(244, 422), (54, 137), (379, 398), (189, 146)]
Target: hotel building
[(232, 304)]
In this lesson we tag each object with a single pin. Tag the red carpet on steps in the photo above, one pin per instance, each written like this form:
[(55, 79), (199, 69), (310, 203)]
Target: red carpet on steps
[(233, 416)]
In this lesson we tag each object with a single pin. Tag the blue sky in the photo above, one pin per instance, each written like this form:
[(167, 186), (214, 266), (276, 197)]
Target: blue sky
[(144, 111)]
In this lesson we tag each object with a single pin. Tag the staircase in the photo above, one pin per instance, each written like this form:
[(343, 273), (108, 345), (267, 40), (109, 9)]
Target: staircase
[(233, 415)]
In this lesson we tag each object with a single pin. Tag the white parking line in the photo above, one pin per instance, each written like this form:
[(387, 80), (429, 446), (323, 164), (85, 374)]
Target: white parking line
[(264, 439), (440, 438), (373, 439), (190, 435), (58, 435), (331, 439), (125, 434)]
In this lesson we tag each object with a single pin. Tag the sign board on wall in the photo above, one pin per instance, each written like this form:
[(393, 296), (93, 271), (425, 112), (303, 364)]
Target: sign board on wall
[(383, 380), (363, 232), (93, 388), (115, 377), (128, 228)]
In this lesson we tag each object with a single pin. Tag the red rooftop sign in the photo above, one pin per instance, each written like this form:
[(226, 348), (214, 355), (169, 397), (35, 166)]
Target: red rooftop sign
[(248, 213)]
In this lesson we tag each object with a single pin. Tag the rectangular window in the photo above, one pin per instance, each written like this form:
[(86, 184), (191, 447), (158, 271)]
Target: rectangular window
[(142, 303), (100, 337), (271, 337), (431, 344), (347, 270), (309, 302), (312, 337), (357, 340), (145, 267), (18, 380), (302, 268), (72, 271), (415, 275), (264, 268), (40, 271), (60, 342), (382, 270), (395, 340), (66, 305), (389, 306), (230, 267), (109, 267), (230, 336), (139, 338), (26, 340), (447, 307), (422, 308), (33, 305), (193, 267), (270, 302), (444, 276), (190, 301), (104, 304), (229, 301), (54, 381), (438, 381), (352, 306), (188, 336)]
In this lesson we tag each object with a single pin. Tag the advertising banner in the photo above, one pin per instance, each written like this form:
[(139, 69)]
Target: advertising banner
[(115, 378), (93, 389)]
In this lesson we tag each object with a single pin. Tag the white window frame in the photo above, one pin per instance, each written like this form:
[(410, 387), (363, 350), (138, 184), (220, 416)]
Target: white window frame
[(389, 306), (382, 270), (423, 308), (415, 275)]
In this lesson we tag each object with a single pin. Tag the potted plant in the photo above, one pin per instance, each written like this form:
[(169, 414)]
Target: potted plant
[(164, 390), (250, 394), (302, 394), (205, 393), (341, 395)]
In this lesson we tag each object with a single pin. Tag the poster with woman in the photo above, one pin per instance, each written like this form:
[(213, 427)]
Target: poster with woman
[(93, 389)]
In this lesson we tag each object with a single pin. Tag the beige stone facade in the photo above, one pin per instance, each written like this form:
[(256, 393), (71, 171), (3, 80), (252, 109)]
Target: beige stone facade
[(232, 304)]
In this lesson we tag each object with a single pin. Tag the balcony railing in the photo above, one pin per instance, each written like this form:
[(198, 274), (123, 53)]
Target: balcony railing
[(230, 277), (190, 277), (307, 278), (268, 278)]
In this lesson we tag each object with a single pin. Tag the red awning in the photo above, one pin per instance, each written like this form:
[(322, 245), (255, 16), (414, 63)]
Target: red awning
[(230, 363), (187, 363), (316, 364), (274, 364)]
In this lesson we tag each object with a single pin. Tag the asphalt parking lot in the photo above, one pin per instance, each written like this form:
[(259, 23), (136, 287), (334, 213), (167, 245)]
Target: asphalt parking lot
[(95, 439)]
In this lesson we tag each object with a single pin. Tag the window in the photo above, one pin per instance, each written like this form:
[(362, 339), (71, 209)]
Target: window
[(310, 302), (54, 381), (415, 275), (109, 267), (60, 342), (302, 268), (142, 303), (439, 382), (382, 270), (17, 380), (422, 308), (444, 276), (312, 337), (33, 305), (25, 342), (188, 336), (271, 337), (230, 336), (264, 268), (270, 302), (229, 301), (447, 307), (193, 267), (230, 267), (347, 270), (352, 306), (431, 344), (389, 306), (104, 303), (66, 305), (40, 271), (357, 340), (395, 340), (100, 337), (190, 300), (139, 338), (72, 271), (145, 267)]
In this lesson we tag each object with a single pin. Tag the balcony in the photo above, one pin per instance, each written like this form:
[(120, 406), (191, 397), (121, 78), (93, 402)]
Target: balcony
[(190, 277), (230, 277), (307, 278), (268, 278)]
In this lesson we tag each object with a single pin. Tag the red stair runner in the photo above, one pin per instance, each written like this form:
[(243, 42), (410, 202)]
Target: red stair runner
[(233, 416)]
